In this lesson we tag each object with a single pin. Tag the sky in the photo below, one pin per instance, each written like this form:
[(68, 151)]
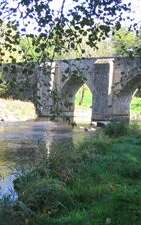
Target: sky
[(135, 7)]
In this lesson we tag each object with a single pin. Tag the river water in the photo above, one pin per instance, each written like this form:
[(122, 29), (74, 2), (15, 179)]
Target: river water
[(21, 143)]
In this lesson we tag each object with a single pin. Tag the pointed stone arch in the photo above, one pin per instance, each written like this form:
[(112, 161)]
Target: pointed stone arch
[(122, 98), (69, 90)]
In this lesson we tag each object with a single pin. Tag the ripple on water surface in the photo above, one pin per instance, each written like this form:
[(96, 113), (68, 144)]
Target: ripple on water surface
[(20, 142)]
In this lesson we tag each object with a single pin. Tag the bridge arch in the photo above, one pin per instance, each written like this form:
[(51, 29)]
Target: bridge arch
[(122, 100), (68, 92)]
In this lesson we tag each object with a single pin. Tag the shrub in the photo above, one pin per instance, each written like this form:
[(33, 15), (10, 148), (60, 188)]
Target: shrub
[(11, 213), (95, 183), (116, 129), (46, 195)]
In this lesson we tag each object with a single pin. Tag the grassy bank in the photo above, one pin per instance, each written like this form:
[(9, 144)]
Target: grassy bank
[(16, 110), (95, 183)]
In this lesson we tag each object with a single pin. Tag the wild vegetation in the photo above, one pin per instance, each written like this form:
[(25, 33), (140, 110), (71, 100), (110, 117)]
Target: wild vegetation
[(96, 182)]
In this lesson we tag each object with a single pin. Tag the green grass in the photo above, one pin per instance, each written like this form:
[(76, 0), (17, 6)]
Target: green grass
[(97, 182), (87, 100), (136, 104)]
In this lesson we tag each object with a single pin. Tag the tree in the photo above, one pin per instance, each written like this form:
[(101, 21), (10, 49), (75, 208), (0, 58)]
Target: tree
[(10, 50), (126, 43), (28, 47), (65, 30)]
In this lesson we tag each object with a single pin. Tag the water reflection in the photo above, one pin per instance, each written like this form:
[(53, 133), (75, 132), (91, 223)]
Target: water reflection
[(21, 146)]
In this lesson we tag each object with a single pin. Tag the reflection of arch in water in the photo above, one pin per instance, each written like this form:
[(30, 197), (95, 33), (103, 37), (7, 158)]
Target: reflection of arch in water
[(69, 91)]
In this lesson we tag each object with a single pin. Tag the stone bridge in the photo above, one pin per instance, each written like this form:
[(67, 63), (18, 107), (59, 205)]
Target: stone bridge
[(52, 86)]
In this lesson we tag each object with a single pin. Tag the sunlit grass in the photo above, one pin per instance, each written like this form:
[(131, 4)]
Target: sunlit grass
[(136, 104), (16, 110), (86, 102)]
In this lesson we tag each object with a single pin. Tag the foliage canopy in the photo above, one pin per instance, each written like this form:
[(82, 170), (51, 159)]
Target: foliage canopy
[(127, 43), (62, 30)]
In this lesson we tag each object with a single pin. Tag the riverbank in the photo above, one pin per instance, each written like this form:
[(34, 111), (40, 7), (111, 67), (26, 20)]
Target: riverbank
[(94, 183), (16, 110)]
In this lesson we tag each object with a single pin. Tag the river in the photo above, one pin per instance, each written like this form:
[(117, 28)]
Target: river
[(21, 144)]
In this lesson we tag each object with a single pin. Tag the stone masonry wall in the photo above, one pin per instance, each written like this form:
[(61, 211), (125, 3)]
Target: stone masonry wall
[(52, 86), (126, 79)]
